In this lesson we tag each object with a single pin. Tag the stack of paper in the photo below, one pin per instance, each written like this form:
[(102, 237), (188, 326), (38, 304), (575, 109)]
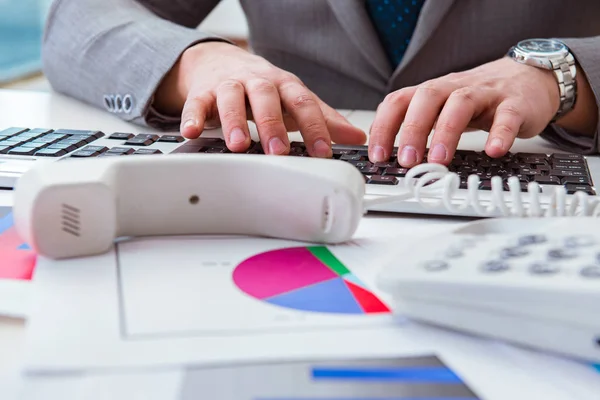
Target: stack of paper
[(248, 318)]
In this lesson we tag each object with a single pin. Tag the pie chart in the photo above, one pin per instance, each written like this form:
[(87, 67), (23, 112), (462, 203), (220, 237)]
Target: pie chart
[(307, 279)]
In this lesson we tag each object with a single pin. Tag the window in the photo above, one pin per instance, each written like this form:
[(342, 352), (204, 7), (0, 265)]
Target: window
[(21, 29)]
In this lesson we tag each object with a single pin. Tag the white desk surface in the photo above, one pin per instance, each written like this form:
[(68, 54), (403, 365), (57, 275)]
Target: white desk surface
[(49, 110)]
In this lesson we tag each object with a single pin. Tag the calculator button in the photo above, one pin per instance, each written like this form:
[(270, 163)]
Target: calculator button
[(580, 241), (514, 252), (543, 269), (562, 254), (495, 266), (592, 271), (532, 239), (436, 265)]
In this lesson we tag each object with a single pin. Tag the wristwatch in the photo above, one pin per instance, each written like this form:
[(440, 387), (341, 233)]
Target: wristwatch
[(553, 55)]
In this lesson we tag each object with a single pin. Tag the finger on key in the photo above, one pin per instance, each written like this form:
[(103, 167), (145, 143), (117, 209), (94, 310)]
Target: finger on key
[(387, 122), (231, 104), (268, 116), (462, 106), (509, 120), (304, 107), (421, 115), (196, 111)]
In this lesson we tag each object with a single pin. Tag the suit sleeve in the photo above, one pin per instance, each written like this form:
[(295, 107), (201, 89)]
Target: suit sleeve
[(113, 54), (587, 53)]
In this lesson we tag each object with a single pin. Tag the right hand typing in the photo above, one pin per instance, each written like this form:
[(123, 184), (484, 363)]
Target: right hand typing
[(218, 84)]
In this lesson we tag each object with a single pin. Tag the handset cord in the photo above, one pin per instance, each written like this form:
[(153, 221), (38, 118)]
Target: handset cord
[(436, 181)]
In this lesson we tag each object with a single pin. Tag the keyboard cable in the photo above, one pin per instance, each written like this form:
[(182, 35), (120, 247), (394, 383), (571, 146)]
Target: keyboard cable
[(435, 181)]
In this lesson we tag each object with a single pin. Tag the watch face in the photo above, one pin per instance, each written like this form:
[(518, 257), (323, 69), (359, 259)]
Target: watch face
[(542, 46)]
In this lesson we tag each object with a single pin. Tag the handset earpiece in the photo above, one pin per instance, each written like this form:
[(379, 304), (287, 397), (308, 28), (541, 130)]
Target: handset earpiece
[(62, 219)]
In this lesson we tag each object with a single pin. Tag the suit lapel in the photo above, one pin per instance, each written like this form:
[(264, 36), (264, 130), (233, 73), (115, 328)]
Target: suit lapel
[(430, 18), (353, 16)]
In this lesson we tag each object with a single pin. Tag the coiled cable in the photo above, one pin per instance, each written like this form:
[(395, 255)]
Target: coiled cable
[(440, 186)]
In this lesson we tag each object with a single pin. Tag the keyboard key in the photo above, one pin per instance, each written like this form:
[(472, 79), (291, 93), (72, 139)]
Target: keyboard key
[(22, 151), (50, 153), (547, 180), (573, 187), (216, 150), (386, 165), (108, 154), (147, 152), (121, 136), (563, 173), (83, 138), (395, 171), (535, 160), (12, 132), (85, 154), (360, 164), (23, 137), (369, 170), (73, 132), (582, 180), (71, 142), (568, 164), (351, 157), (383, 180), (66, 147), (171, 139), (120, 151), (566, 156), (4, 148), (99, 149), (142, 140)]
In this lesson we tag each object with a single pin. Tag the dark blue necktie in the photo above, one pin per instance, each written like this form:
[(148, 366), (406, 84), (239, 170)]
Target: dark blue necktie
[(395, 21)]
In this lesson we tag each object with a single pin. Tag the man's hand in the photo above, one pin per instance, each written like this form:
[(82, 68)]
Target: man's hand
[(505, 98), (218, 84)]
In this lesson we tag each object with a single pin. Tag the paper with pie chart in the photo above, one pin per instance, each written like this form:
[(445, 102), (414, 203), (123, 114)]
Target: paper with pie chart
[(217, 286), (307, 279)]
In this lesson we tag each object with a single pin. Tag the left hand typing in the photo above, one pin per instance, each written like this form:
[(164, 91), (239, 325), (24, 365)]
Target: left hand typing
[(507, 99)]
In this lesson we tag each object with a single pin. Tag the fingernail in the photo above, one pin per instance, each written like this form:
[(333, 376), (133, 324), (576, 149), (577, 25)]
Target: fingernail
[(408, 157), (378, 154), (276, 146), (237, 136), (438, 153), (497, 142), (321, 149), (190, 123)]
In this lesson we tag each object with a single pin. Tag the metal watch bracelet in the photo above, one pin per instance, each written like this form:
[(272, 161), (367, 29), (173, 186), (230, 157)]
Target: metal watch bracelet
[(565, 71)]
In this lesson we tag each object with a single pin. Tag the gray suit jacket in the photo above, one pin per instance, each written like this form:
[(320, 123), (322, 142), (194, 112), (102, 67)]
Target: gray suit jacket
[(114, 53)]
